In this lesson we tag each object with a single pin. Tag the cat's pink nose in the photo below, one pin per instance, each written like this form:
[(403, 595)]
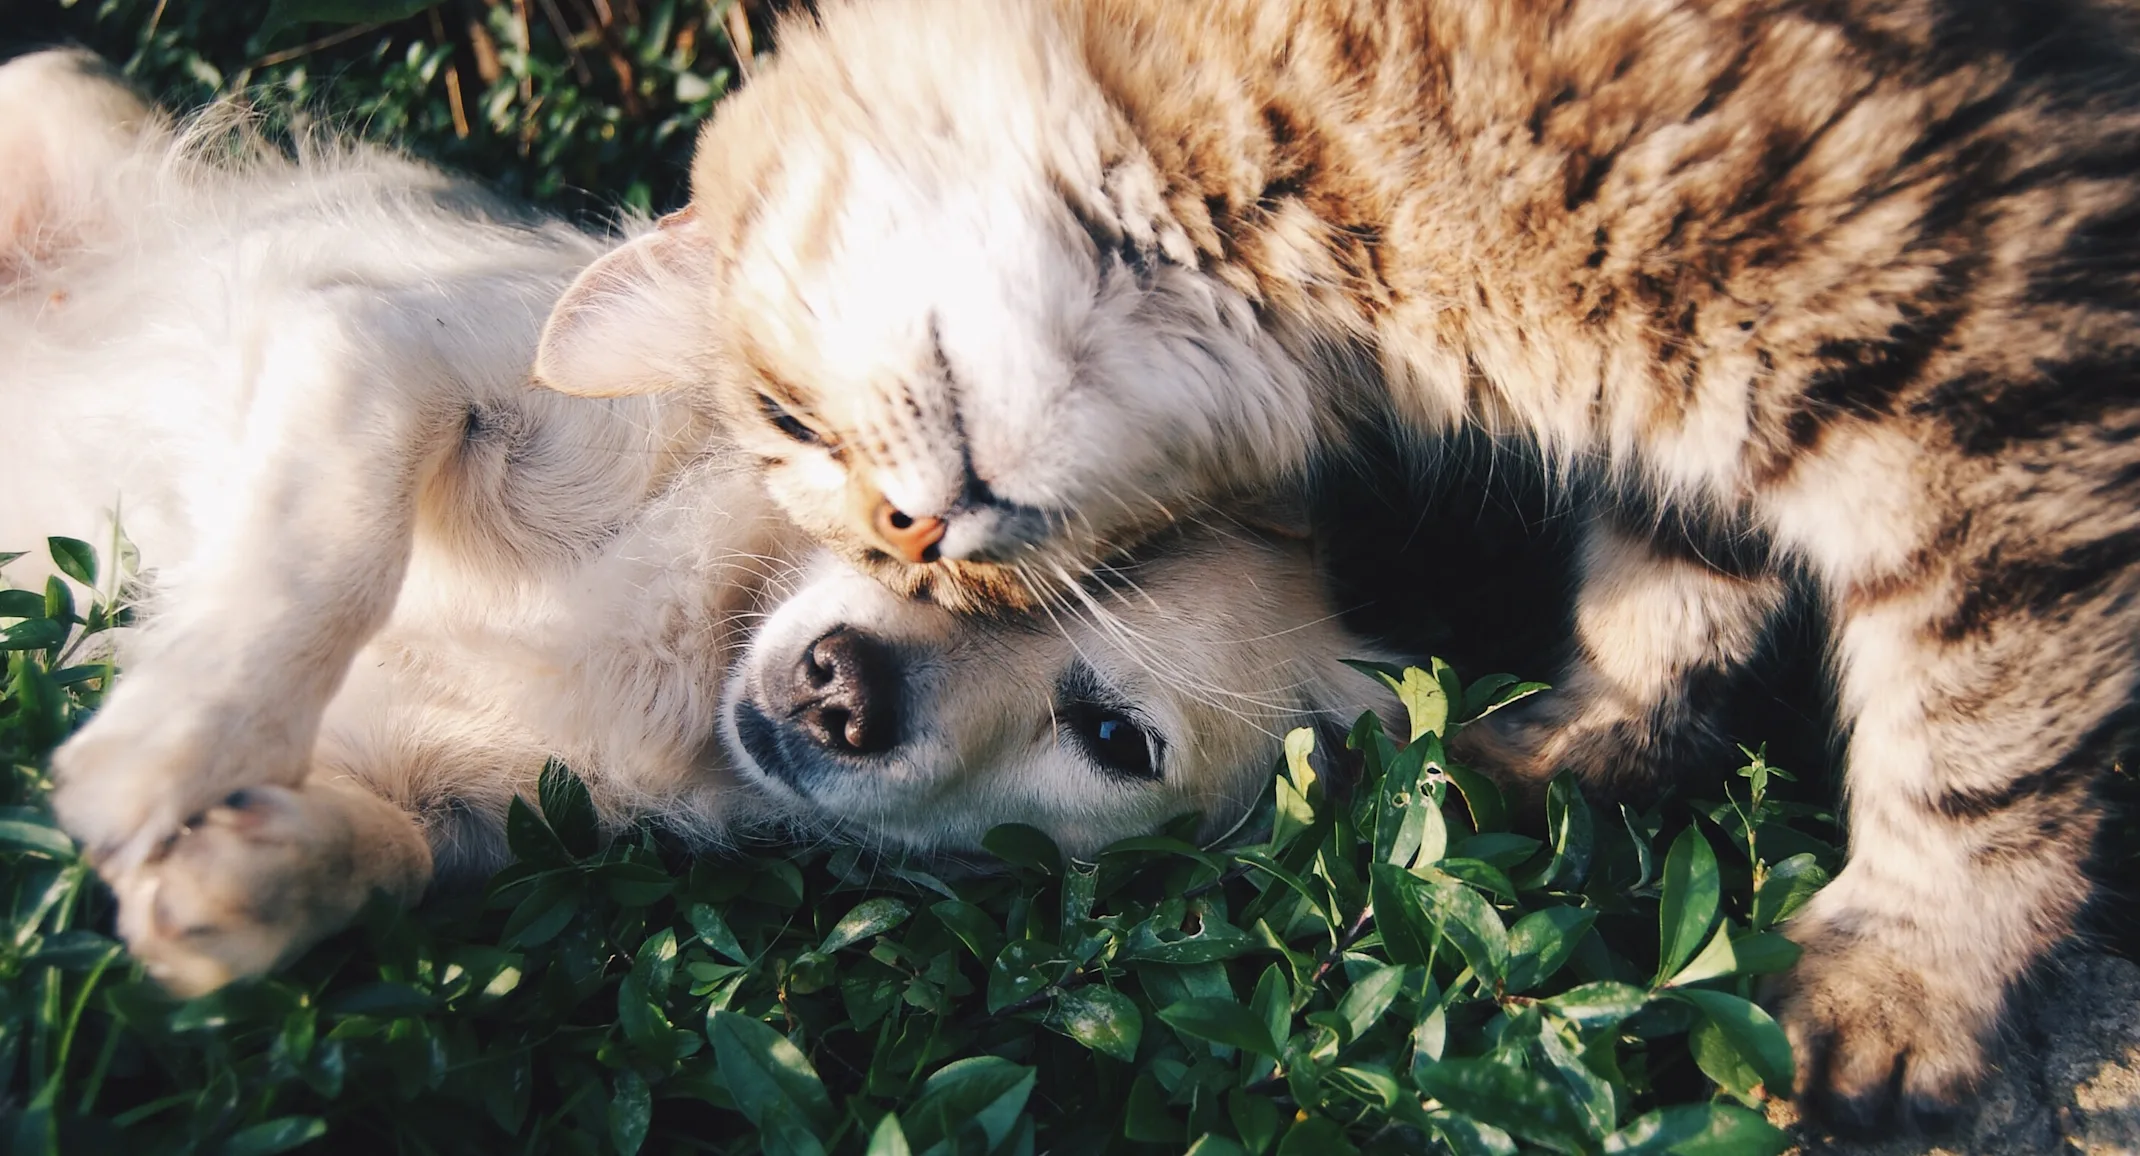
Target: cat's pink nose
[(913, 539)]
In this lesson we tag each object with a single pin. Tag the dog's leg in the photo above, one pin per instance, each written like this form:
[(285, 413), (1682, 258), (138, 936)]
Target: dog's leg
[(1657, 625), (346, 416), (263, 875)]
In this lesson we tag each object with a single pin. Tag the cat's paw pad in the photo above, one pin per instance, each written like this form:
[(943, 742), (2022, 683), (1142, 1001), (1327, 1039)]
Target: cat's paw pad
[(1880, 1045), (239, 890)]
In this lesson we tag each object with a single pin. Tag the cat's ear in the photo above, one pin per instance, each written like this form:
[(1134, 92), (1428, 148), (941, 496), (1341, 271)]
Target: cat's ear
[(636, 320)]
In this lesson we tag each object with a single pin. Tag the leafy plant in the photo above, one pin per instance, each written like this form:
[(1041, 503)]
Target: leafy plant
[(1410, 964), (580, 104)]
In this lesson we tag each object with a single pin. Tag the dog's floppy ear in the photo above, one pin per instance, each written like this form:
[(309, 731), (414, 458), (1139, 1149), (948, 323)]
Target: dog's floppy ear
[(634, 321)]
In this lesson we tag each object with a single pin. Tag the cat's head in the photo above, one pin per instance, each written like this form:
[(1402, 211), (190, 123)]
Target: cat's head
[(929, 278), (1161, 689)]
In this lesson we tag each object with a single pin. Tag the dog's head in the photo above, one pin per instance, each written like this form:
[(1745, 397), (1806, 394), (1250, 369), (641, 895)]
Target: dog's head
[(1164, 686)]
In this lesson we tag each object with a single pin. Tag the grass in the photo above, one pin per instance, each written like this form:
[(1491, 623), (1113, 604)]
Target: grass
[(1391, 967)]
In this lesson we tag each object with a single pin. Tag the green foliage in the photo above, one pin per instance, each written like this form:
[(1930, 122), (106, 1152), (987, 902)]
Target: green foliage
[(1393, 969), (576, 103)]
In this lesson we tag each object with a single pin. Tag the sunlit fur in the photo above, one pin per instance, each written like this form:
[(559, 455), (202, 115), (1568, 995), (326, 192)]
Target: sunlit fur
[(388, 580), (1849, 285)]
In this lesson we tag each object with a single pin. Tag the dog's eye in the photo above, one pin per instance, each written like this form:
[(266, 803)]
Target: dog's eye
[(786, 422), (1114, 740)]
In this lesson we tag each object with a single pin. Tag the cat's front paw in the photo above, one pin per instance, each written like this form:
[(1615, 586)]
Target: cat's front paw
[(1613, 747), (243, 888), (1882, 1042)]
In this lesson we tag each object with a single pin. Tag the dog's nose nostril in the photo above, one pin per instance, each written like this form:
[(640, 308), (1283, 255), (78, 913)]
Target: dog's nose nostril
[(914, 539), (846, 696)]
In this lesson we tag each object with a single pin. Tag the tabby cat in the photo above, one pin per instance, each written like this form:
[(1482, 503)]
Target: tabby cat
[(997, 287)]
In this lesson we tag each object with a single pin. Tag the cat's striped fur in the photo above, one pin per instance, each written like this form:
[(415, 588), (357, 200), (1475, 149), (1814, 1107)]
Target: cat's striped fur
[(1850, 283)]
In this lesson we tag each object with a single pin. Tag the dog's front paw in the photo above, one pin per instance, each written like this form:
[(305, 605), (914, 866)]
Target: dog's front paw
[(154, 758), (1882, 1041), (243, 888)]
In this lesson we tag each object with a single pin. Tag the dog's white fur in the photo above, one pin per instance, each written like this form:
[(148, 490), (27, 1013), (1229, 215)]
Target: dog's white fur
[(390, 579)]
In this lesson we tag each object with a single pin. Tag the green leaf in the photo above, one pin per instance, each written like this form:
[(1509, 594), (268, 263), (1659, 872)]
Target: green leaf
[(1511, 1099), (1715, 959), (33, 634), (59, 601), (1687, 909), (1764, 953), (1570, 833), (1469, 1137), (888, 1139), (1214, 940), (1145, 1116), (1402, 807), (1255, 1119), (1712, 1129), (988, 1091), (1786, 889), (1464, 917), (972, 925), (1404, 914), (631, 1112), (1751, 1034), (21, 604), (545, 912), (1299, 744), (1425, 702), (1316, 1136), (278, 1135), (1503, 849), (1221, 1022), (29, 829), (1552, 1056), (1540, 944), (1213, 1144), (75, 558), (567, 809), (1024, 846), (1103, 1020), (766, 1073), (530, 838), (713, 931), (1024, 969), (282, 14), (1369, 996), (1598, 1005), (867, 918), (1489, 811), (1273, 1004), (1503, 696)]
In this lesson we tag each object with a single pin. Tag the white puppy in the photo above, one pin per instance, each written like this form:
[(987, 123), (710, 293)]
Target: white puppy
[(390, 579)]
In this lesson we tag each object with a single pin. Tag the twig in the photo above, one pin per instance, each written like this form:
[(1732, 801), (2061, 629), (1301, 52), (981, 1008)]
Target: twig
[(328, 41), (1352, 935), (739, 39), (453, 80)]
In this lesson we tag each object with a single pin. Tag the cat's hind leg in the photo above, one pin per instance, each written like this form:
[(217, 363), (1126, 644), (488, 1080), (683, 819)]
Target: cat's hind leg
[(1661, 623)]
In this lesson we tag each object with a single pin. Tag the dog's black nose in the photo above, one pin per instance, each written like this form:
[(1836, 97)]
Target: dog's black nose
[(845, 693)]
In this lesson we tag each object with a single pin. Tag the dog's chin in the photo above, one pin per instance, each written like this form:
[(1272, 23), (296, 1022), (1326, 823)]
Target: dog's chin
[(766, 759)]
